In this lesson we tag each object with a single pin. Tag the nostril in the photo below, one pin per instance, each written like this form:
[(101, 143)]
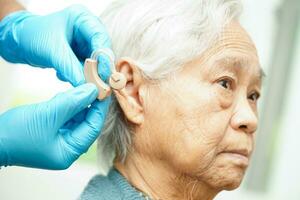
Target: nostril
[(247, 129), (243, 127)]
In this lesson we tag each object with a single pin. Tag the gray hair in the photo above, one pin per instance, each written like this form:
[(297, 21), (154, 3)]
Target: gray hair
[(161, 36)]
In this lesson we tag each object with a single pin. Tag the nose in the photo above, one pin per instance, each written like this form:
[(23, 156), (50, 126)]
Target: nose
[(244, 117)]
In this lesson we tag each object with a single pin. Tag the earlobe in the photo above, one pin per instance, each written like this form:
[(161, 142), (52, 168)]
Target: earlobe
[(129, 97)]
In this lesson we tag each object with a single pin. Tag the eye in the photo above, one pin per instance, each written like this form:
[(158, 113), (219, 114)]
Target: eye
[(226, 83), (254, 96)]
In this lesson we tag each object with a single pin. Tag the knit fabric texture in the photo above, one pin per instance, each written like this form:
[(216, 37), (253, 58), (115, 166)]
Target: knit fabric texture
[(111, 187)]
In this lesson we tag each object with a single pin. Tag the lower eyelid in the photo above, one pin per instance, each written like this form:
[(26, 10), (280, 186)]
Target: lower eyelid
[(225, 97)]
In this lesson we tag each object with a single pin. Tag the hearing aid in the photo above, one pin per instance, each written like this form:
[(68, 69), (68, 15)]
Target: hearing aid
[(117, 80)]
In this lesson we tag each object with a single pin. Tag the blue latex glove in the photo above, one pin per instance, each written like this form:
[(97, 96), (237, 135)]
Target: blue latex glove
[(60, 40), (53, 134)]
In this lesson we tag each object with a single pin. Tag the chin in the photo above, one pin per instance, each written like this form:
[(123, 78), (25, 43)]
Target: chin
[(226, 180), (234, 184), (228, 185)]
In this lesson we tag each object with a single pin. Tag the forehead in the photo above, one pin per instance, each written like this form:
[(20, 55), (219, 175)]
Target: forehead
[(233, 51), (233, 40), (234, 48), (236, 37)]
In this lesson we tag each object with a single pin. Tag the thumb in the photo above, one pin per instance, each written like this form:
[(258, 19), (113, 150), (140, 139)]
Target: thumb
[(92, 30), (68, 66), (88, 130), (69, 103)]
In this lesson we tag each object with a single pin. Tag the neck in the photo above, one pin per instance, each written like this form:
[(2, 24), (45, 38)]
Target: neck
[(156, 179)]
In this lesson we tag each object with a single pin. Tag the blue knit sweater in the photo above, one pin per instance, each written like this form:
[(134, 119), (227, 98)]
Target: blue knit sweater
[(111, 187)]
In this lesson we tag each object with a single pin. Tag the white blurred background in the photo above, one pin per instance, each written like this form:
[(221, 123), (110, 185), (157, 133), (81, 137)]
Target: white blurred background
[(275, 170)]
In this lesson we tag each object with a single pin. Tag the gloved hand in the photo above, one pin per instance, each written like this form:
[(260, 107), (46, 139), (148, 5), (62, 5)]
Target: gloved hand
[(60, 40), (53, 134)]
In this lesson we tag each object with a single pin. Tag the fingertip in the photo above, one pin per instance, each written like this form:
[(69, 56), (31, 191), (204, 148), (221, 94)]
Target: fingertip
[(77, 82), (100, 41), (60, 77), (78, 76), (69, 68), (104, 67), (101, 106), (91, 89), (83, 96)]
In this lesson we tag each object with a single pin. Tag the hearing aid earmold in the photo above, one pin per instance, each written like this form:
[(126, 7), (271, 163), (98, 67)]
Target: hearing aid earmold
[(117, 80)]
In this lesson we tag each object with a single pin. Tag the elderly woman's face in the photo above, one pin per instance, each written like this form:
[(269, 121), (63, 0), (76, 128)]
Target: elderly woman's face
[(202, 121)]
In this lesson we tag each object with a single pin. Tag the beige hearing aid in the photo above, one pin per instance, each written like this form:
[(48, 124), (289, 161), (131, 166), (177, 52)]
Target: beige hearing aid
[(117, 80)]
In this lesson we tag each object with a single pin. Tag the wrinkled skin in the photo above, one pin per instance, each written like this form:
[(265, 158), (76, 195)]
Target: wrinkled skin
[(198, 127)]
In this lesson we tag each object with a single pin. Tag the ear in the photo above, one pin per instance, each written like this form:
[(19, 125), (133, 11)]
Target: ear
[(130, 97)]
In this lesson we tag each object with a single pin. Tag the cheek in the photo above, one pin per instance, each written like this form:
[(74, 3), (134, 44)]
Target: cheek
[(197, 140), (225, 97), (184, 125), (200, 122)]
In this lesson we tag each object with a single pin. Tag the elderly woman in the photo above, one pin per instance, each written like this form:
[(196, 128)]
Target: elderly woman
[(184, 126)]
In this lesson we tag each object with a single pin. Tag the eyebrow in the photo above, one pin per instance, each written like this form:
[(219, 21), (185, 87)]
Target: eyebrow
[(262, 73), (231, 63)]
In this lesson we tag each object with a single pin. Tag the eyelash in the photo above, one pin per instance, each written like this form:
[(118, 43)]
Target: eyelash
[(254, 96), (224, 81)]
